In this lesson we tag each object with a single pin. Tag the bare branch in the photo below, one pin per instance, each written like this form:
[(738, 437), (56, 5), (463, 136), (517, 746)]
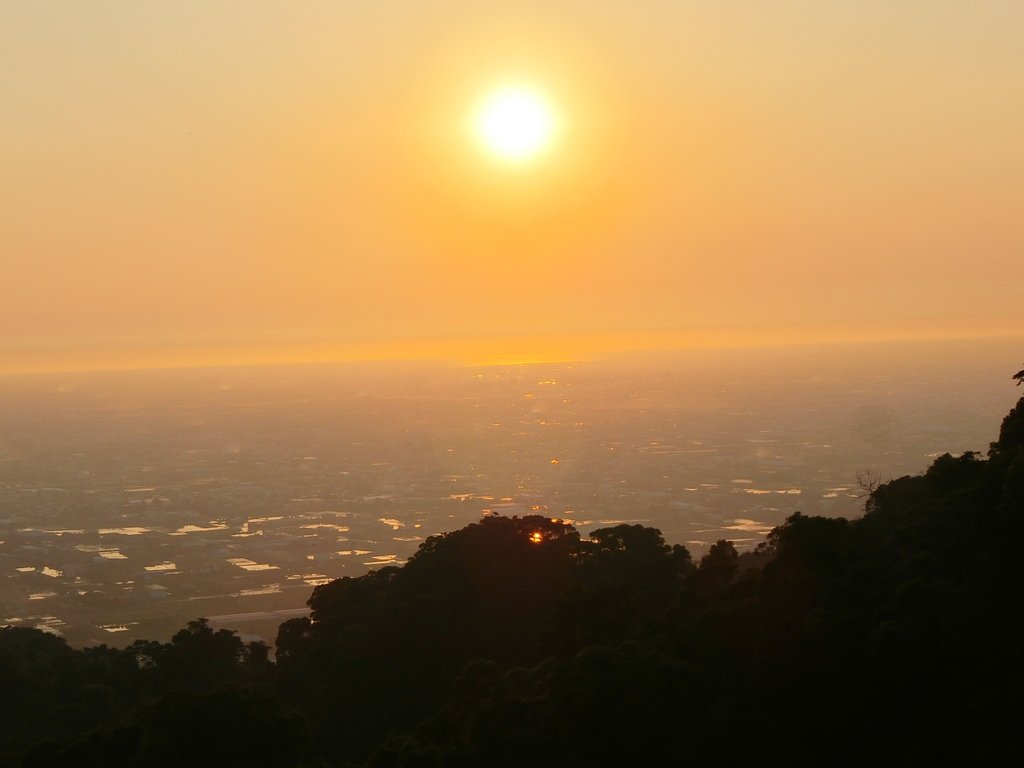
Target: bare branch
[(868, 481)]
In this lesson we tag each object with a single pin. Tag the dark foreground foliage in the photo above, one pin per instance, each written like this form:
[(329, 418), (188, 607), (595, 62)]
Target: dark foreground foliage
[(895, 639)]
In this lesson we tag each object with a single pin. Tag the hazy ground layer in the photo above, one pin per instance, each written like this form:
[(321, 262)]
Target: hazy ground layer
[(133, 502)]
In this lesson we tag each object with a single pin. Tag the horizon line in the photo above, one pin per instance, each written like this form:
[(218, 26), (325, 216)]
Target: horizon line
[(477, 352)]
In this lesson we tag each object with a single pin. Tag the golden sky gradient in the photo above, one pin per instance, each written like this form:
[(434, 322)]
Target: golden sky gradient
[(233, 182)]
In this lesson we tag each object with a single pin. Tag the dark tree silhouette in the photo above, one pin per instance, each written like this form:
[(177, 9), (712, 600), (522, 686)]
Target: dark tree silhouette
[(1011, 432), (1019, 376)]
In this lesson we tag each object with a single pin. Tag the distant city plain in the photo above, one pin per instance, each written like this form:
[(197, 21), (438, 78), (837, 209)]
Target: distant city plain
[(133, 502)]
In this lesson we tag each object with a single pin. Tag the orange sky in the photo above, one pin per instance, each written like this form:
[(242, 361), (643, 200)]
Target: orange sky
[(194, 182)]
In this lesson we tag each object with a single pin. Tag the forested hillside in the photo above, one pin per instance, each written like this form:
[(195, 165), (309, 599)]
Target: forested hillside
[(893, 639)]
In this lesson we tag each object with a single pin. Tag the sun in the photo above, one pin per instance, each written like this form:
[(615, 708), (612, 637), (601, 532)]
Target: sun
[(514, 123)]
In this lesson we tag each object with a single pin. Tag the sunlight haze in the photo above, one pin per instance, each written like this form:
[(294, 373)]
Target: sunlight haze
[(204, 182)]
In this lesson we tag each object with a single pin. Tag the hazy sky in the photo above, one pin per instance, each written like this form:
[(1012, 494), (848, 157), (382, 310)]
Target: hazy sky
[(222, 181)]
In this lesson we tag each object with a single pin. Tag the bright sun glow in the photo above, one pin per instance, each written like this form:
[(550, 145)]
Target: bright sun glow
[(515, 123)]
